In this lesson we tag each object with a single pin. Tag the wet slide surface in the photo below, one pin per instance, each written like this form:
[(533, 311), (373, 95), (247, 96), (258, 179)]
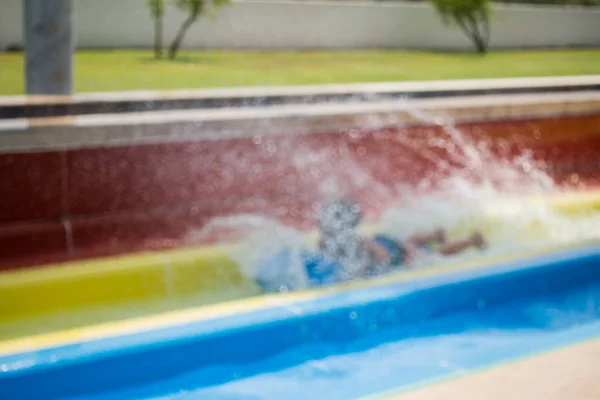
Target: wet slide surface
[(380, 362), (346, 346), (76, 203)]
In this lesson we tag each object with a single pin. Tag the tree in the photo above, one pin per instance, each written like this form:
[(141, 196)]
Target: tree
[(194, 8), (472, 16), (157, 10)]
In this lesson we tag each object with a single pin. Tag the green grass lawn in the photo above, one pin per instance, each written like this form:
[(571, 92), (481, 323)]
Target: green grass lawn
[(135, 70)]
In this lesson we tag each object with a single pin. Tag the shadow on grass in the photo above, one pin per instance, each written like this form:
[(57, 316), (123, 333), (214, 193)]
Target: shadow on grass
[(183, 59)]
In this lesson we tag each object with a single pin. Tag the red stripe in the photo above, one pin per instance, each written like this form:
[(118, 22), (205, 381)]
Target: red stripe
[(134, 197)]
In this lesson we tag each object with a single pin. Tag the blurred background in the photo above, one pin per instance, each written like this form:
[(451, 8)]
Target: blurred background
[(164, 165)]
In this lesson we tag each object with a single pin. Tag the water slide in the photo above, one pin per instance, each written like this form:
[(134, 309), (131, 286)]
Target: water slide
[(110, 289), (373, 339), (190, 322)]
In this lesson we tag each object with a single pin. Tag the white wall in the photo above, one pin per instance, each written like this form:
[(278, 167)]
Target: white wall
[(312, 24)]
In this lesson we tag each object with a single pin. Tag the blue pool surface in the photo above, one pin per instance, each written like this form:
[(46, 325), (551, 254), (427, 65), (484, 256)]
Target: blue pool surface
[(344, 345)]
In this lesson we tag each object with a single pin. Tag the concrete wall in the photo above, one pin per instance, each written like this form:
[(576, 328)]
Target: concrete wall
[(312, 24)]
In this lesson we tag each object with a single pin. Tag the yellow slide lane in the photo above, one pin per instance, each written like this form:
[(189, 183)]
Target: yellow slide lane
[(54, 298)]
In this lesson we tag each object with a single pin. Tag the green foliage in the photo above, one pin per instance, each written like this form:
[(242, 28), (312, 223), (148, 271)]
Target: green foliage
[(472, 16), (157, 8), (194, 9)]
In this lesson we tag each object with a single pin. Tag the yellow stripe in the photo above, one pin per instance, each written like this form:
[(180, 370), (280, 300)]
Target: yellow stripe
[(116, 280), (571, 203), (163, 320)]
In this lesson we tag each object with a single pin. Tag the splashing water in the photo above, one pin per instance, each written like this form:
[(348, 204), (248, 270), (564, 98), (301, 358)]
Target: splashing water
[(469, 188), (476, 170), (266, 238)]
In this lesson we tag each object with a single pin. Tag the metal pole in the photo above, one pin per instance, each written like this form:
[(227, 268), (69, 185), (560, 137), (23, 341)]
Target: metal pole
[(48, 47)]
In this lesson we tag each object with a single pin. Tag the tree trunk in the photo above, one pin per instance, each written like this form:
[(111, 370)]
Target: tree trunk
[(180, 35), (473, 33), (480, 39), (480, 44), (158, 38)]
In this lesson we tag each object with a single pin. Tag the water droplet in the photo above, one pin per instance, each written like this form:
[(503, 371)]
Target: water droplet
[(282, 210), (574, 178), (361, 151), (353, 315), (441, 121), (271, 147), (257, 139), (283, 289)]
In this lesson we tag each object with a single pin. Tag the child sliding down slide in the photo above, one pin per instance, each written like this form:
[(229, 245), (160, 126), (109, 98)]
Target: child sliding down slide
[(362, 257), (343, 254)]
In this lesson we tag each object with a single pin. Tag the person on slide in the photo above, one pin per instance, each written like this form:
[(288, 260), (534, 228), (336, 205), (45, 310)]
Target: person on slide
[(362, 257)]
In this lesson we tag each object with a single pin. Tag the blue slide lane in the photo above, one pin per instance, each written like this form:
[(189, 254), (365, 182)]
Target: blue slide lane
[(339, 346)]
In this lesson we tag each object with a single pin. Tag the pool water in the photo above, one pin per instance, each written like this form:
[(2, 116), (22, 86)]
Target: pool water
[(398, 357)]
